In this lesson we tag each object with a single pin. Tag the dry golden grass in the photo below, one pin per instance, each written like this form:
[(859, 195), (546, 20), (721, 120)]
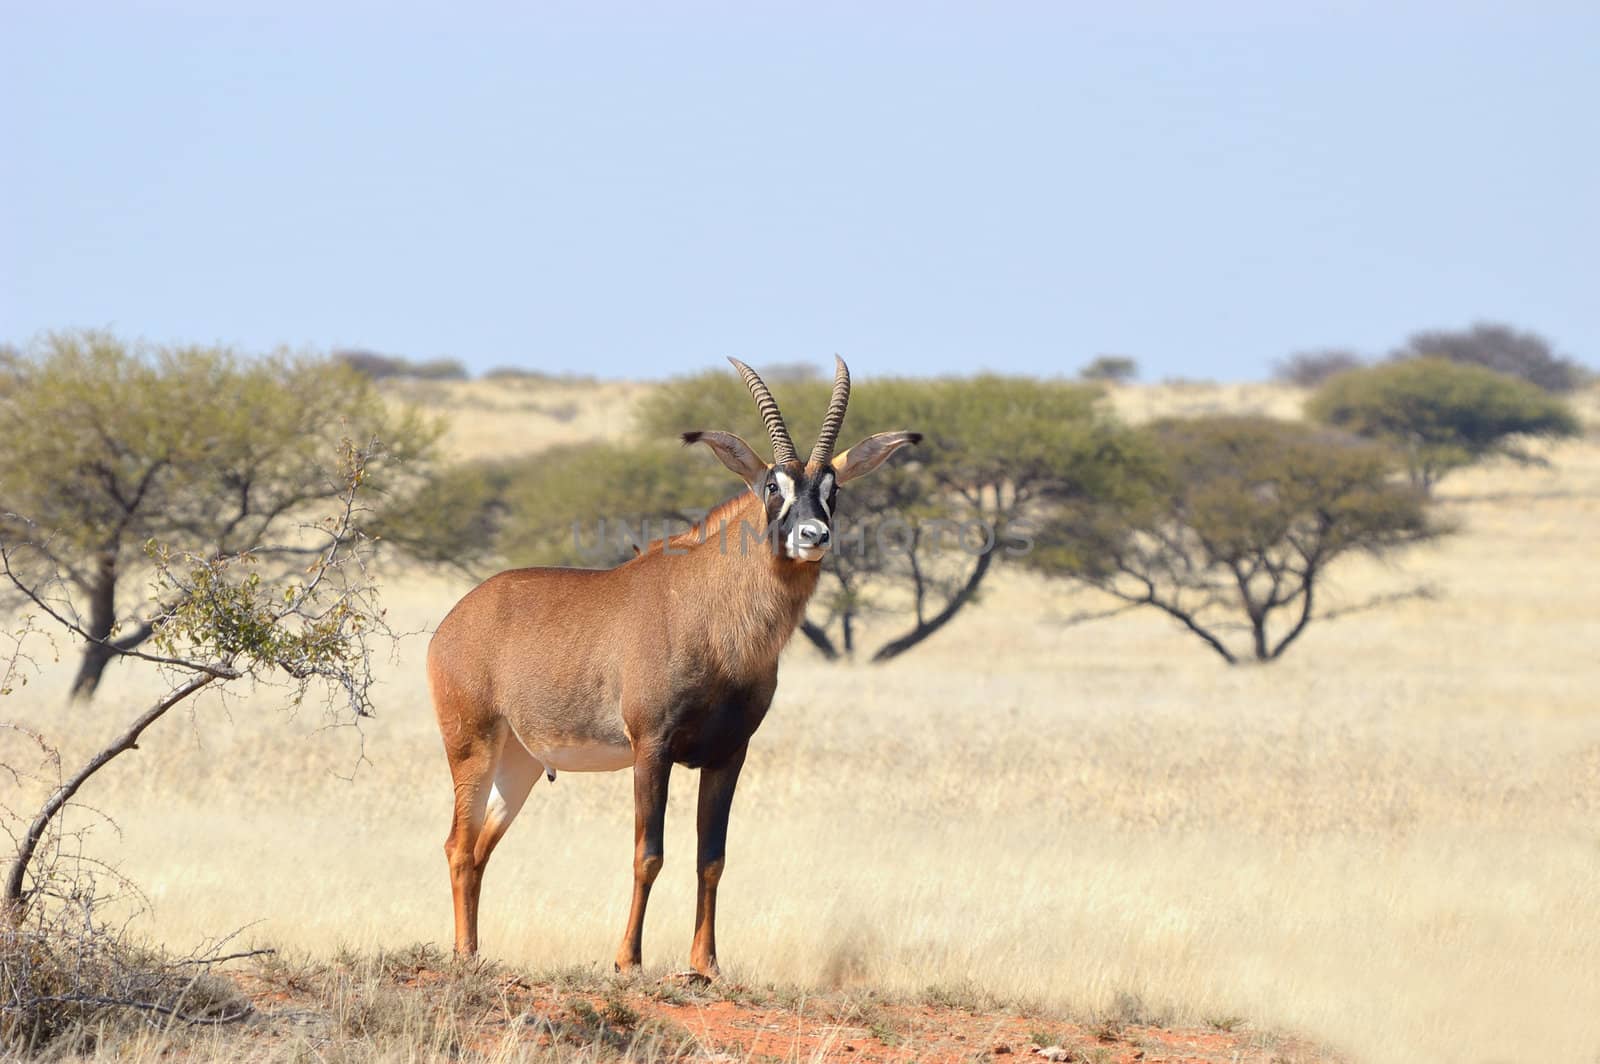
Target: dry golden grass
[(1388, 841)]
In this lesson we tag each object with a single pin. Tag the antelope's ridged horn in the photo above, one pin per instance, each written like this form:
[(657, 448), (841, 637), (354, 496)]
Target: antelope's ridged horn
[(822, 452), (782, 446)]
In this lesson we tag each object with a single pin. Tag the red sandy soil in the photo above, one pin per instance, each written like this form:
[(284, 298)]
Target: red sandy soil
[(719, 1026), (926, 1033)]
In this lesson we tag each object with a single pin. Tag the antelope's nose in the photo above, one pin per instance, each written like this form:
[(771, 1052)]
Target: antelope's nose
[(811, 533)]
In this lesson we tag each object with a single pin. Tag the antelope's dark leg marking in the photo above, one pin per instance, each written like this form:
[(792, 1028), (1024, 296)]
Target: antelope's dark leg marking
[(716, 802)]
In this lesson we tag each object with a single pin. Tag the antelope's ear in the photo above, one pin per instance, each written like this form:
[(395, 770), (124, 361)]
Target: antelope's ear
[(869, 454), (734, 453)]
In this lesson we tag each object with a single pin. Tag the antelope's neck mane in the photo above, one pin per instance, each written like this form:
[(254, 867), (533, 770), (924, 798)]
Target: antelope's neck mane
[(751, 600), (740, 511)]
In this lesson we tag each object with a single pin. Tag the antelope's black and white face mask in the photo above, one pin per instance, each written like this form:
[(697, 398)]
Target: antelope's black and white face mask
[(799, 497), (800, 508)]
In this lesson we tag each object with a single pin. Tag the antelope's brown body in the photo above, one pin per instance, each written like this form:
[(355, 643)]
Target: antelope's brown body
[(670, 658), (669, 648)]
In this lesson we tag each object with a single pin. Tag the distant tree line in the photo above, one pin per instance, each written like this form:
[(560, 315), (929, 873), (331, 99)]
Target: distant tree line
[(1489, 345), (377, 366), (1228, 525), (380, 367), (1492, 345), (1212, 521)]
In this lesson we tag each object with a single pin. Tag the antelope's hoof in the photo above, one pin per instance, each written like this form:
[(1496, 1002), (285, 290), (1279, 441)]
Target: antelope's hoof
[(691, 978)]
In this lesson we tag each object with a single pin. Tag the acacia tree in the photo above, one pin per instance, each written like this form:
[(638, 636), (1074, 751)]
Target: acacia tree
[(106, 447), (1234, 519), (1441, 415), (999, 454), (223, 619)]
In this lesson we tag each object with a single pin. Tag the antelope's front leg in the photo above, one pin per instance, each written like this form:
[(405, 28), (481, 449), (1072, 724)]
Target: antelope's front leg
[(651, 769), (716, 800)]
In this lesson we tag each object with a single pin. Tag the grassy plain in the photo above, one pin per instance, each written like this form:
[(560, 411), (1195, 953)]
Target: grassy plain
[(1388, 842)]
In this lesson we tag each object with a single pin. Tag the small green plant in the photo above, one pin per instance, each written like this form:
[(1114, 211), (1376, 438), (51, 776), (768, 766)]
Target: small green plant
[(668, 993), (283, 972), (741, 993), (572, 977), (370, 1009), (1108, 1028), (1225, 1022), (881, 1029), (789, 997), (660, 1039), (585, 1016), (407, 961), (616, 1011), (966, 996)]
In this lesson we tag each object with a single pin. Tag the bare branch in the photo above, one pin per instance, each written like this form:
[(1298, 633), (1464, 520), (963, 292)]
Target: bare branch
[(146, 1006), (1424, 592), (223, 958), (14, 898), (1078, 617)]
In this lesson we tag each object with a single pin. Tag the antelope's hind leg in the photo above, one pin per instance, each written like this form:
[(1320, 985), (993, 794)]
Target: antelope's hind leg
[(514, 777), (493, 775)]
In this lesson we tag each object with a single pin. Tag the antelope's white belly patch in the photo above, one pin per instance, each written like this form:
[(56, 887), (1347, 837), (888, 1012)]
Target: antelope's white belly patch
[(585, 757)]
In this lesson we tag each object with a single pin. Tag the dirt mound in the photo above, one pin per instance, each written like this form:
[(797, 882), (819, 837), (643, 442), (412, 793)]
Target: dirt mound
[(486, 1013)]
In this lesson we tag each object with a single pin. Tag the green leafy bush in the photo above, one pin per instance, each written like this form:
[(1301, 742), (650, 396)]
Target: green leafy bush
[(1441, 415)]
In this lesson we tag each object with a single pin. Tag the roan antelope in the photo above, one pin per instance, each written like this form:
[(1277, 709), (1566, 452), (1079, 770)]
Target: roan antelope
[(670, 658)]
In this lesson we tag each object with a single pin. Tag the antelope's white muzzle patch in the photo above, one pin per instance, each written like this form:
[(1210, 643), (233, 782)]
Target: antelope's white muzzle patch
[(808, 541)]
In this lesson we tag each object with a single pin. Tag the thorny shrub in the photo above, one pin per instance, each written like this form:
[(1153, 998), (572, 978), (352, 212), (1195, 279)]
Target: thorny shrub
[(69, 971)]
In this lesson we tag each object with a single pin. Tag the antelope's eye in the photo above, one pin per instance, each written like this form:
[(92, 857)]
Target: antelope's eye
[(772, 488)]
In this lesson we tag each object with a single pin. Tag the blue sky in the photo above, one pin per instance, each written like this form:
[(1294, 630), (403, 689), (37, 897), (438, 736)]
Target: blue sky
[(636, 190)]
